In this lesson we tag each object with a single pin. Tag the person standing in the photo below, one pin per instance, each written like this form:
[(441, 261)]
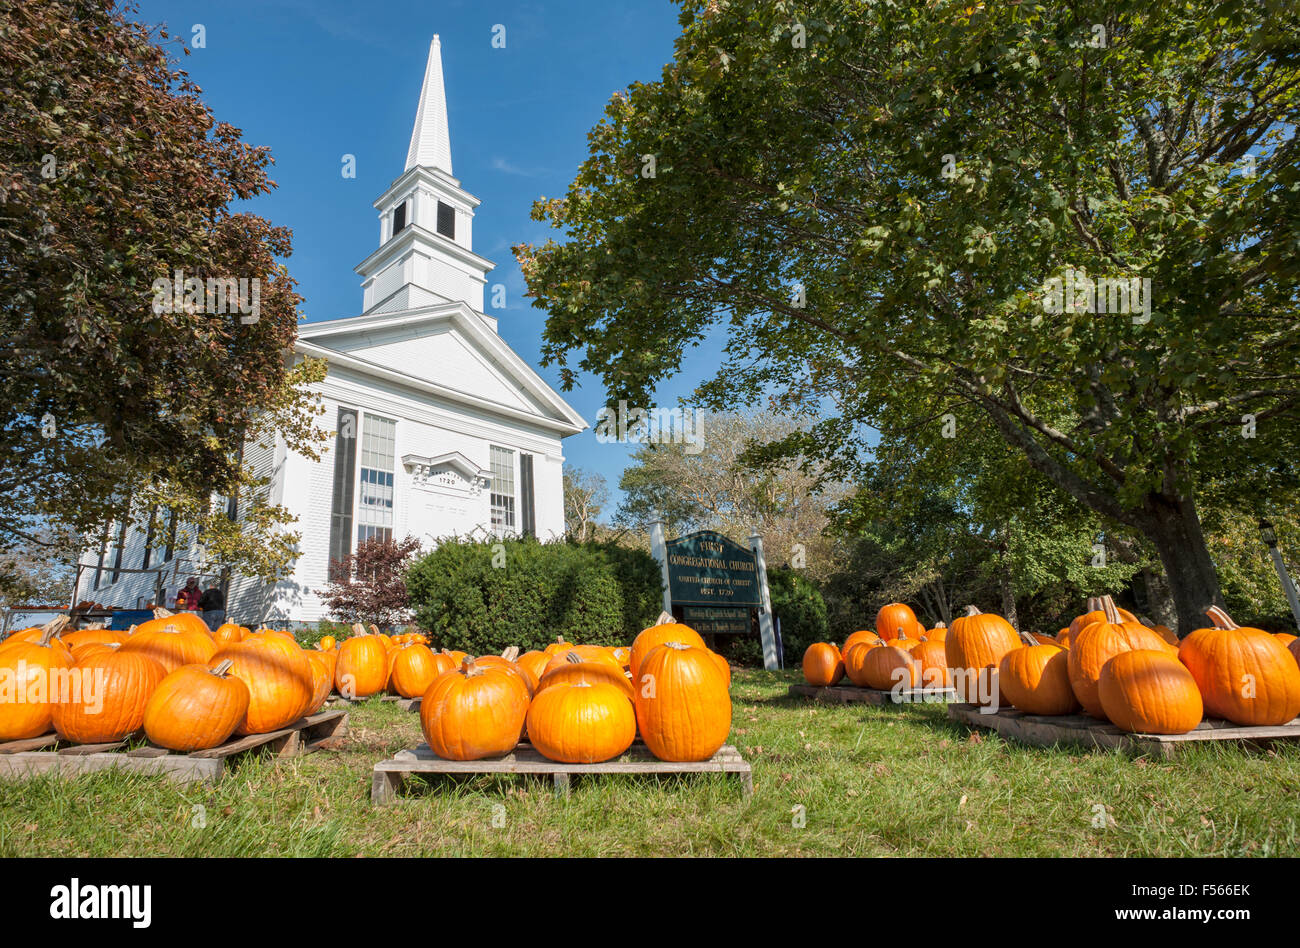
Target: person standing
[(212, 604), (187, 600)]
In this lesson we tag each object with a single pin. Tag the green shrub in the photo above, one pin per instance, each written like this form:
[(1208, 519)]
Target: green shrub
[(481, 597)]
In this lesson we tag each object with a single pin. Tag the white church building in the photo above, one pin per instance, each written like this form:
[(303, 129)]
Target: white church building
[(437, 427)]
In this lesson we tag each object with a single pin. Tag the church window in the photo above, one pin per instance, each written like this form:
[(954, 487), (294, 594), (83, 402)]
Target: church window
[(345, 460), (447, 220), (399, 218), (375, 504), (502, 462)]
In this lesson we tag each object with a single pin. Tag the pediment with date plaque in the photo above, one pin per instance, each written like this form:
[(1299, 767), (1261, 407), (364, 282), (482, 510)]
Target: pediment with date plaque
[(451, 473)]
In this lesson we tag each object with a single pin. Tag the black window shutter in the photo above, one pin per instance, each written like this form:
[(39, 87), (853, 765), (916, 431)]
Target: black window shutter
[(171, 538), (447, 220), (149, 537), (345, 460), (399, 218), (527, 515)]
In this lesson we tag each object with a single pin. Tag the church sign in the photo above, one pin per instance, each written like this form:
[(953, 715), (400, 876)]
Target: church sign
[(716, 620), (707, 569)]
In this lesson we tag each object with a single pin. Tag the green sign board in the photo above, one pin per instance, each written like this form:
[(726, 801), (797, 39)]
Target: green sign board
[(707, 569), (718, 620)]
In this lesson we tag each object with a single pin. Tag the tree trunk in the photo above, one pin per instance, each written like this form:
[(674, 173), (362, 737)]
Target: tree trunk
[(1159, 604), (1008, 592), (1172, 525)]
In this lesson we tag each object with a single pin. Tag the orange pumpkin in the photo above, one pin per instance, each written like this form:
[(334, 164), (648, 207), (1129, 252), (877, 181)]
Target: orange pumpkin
[(178, 621), (938, 634), (109, 704), (535, 662), (1036, 679), (558, 647), (32, 674), (279, 679), (196, 707), (862, 635), (471, 713), (822, 665), (1151, 692), (414, 667), (574, 671), (855, 661), (581, 722), (683, 705), (172, 645), (1245, 675), (931, 657), (322, 679), (667, 629), (362, 668), (327, 643), (974, 647), (1095, 644), (897, 620), (92, 637), (586, 653), (888, 667)]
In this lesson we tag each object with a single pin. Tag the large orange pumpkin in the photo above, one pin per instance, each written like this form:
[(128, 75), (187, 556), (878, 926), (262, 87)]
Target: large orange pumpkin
[(1149, 691), (931, 658), (322, 679), (172, 645), (362, 668), (822, 665), (855, 658), (1095, 644), (667, 629), (196, 707), (581, 722), (414, 667), (888, 667), (974, 647), (179, 621), (471, 713), (897, 620), (279, 679), (683, 705), (861, 636), (573, 670), (32, 676), (109, 704), (1245, 675), (1036, 679)]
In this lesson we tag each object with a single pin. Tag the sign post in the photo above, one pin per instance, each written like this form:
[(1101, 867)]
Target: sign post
[(660, 552), (770, 659)]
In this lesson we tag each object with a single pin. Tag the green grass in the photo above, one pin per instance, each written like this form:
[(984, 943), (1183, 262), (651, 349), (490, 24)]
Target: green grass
[(872, 781)]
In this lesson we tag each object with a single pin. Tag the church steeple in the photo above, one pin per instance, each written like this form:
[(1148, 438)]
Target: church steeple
[(430, 143), (426, 242)]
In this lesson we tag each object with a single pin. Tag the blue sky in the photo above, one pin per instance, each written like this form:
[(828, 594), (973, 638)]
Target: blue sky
[(318, 79)]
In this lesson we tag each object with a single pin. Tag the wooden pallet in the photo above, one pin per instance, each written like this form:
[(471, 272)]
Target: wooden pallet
[(852, 693), (406, 704), (1046, 730), (525, 759), (39, 755)]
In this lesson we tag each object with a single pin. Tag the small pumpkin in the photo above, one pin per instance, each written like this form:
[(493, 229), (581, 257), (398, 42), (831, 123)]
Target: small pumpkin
[(855, 661), (228, 633), (666, 629), (888, 667), (1095, 644), (1245, 675), (327, 643), (822, 665), (862, 635), (1150, 692), (471, 713), (938, 633), (581, 722), (558, 647), (683, 705), (414, 667), (931, 657), (196, 707), (1036, 679), (362, 668)]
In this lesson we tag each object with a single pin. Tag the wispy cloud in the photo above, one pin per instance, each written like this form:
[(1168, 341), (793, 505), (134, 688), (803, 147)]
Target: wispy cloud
[(505, 167)]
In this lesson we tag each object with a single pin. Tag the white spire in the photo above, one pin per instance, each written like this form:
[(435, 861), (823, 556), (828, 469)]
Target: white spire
[(430, 143)]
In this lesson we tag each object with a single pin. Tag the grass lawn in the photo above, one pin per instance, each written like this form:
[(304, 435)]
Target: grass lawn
[(872, 782)]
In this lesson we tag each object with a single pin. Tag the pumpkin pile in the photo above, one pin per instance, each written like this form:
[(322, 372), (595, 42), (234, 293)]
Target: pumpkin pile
[(1107, 663), (575, 703), (186, 687)]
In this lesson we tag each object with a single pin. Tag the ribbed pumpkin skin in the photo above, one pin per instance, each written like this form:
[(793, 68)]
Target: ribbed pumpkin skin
[(591, 673), (88, 636), (860, 636), (938, 634), (581, 723), (195, 709), (29, 718), (82, 652), (1036, 679), (535, 662), (894, 617), (322, 679), (888, 666), (414, 667), (279, 680), (854, 661), (683, 705), (123, 683), (181, 622), (558, 647), (471, 713), (588, 653), (172, 646), (362, 668), (1220, 660), (974, 647), (1097, 644), (1150, 692), (649, 639), (822, 665), (228, 634), (931, 658), (723, 666)]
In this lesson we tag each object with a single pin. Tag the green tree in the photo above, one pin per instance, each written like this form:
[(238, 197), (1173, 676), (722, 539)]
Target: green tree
[(873, 198), (115, 175)]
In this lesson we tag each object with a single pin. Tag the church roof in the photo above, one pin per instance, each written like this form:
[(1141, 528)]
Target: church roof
[(430, 142)]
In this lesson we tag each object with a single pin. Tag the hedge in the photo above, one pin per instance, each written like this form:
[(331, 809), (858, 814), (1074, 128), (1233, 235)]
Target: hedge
[(481, 597), (799, 605)]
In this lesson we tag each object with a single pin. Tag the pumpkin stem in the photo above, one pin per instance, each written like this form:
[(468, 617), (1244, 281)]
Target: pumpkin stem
[(1027, 638), (1220, 618), (941, 624), (222, 670), (374, 629), (1092, 605), (131, 631), (161, 613), (573, 658), (972, 611), (358, 629), (665, 618), (511, 653), (57, 624), (469, 668), (1112, 614)]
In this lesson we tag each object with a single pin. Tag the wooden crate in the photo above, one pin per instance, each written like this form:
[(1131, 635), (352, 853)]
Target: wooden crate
[(1046, 730), (525, 759), (852, 693), (39, 755)]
